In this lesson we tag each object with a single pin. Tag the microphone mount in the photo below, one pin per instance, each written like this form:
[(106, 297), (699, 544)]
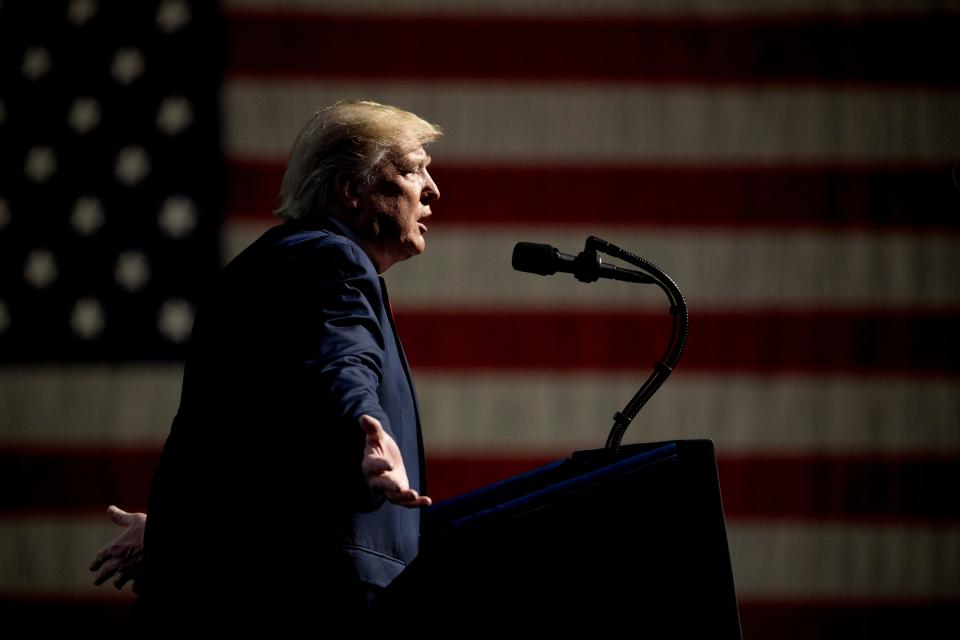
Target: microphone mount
[(587, 266)]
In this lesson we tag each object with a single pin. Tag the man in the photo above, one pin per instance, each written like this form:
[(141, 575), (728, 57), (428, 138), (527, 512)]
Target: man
[(297, 435)]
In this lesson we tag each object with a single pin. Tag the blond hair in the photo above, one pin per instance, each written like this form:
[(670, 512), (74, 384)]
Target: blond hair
[(353, 136)]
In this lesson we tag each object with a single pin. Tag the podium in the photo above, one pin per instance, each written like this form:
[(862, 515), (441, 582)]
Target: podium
[(597, 536)]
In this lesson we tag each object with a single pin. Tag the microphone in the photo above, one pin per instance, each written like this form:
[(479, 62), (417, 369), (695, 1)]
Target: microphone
[(544, 260)]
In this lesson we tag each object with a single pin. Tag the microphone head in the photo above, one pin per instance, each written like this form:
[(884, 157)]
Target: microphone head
[(531, 257)]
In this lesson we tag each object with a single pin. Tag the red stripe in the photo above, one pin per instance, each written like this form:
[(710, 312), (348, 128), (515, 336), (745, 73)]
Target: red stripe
[(75, 480), (72, 616), (906, 50), (846, 621), (52, 615), (917, 198), (875, 489), (855, 342), (867, 487)]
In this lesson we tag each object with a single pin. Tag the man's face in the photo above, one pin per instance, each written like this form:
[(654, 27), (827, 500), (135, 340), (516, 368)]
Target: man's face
[(397, 204)]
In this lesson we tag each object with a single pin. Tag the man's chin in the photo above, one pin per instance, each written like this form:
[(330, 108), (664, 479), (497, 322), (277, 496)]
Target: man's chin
[(416, 247), (408, 251)]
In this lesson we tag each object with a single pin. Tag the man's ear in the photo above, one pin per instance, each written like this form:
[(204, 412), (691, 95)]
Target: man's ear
[(347, 188)]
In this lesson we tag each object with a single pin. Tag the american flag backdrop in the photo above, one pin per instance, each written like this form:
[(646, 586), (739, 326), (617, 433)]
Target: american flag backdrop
[(793, 164)]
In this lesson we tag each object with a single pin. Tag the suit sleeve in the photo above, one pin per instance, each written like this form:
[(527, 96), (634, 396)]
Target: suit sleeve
[(344, 352)]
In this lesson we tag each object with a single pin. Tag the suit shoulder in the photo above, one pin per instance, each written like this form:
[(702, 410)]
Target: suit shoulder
[(287, 245)]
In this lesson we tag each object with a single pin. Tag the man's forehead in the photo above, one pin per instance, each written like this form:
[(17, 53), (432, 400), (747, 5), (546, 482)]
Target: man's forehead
[(416, 154)]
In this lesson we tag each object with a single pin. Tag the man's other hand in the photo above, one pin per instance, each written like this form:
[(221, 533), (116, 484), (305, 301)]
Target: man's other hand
[(122, 556), (383, 466)]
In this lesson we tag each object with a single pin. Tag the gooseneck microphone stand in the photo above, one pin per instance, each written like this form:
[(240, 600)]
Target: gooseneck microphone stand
[(678, 335), (588, 267)]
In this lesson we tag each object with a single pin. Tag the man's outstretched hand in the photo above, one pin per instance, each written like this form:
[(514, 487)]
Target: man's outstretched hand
[(121, 557), (383, 466)]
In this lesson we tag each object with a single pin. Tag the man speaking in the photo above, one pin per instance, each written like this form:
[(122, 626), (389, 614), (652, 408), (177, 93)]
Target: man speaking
[(290, 483)]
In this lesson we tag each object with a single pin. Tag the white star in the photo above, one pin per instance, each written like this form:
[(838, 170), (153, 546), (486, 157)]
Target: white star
[(132, 270), (174, 115), (127, 65), (36, 63), (4, 213), (87, 215), (4, 317), (41, 163), (84, 114), (133, 164), (3, 112), (172, 14), (175, 320), (87, 319), (40, 269), (80, 11), (178, 216)]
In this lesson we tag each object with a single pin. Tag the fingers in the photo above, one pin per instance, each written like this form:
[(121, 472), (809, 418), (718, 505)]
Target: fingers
[(408, 498), (122, 579), (113, 570), (108, 571), (98, 559), (371, 427), (417, 503), (105, 554), (119, 516)]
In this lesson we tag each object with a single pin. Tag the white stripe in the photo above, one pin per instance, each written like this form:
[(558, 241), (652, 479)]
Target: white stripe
[(603, 123), (515, 413), (770, 560), (469, 267), (549, 8), (804, 561), (491, 413), (89, 405)]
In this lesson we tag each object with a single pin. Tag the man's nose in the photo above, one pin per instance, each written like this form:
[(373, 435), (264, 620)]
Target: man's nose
[(431, 192)]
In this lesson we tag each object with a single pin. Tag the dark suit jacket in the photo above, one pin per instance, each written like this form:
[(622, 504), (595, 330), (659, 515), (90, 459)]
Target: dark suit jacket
[(296, 343)]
